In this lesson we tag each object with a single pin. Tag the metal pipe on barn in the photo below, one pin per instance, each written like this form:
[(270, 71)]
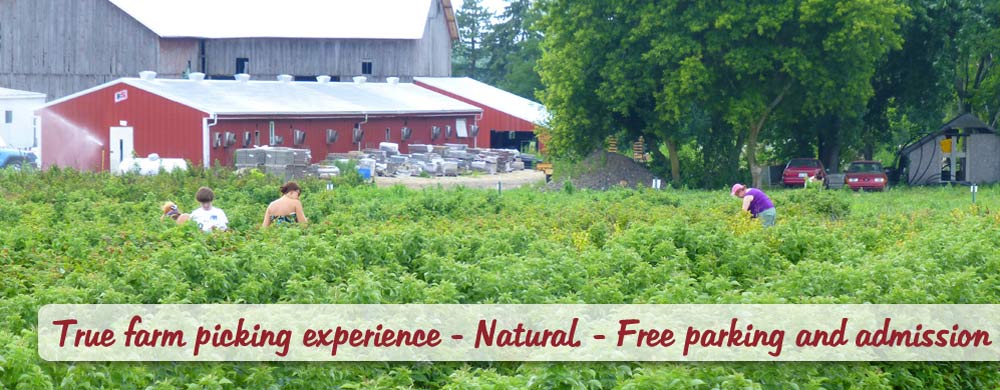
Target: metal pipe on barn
[(205, 140)]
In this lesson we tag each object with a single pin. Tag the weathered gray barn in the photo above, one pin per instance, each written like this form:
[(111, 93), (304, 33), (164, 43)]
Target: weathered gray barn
[(964, 150), (59, 47)]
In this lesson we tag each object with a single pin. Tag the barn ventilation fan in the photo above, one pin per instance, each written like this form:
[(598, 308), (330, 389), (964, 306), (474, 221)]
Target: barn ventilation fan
[(447, 132), (228, 139), (474, 130), (247, 140), (435, 132), (278, 140), (358, 135), (331, 136), (406, 132), (216, 139), (298, 137)]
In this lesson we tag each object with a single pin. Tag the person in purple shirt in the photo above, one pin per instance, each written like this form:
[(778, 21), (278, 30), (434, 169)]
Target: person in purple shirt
[(757, 203)]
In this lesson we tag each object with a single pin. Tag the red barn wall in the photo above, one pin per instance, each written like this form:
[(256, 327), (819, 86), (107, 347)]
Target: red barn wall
[(492, 119), (75, 133), (315, 129)]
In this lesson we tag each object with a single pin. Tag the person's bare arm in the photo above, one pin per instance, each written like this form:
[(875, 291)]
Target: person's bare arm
[(267, 217), (746, 202), (300, 216)]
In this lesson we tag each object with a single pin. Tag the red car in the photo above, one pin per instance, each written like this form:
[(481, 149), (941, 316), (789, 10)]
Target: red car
[(866, 175), (801, 169)]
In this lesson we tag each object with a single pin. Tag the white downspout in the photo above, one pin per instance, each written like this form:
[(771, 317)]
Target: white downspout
[(359, 126), (475, 122), (205, 139), (38, 138)]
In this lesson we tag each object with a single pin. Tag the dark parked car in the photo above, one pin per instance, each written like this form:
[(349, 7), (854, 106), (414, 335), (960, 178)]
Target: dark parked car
[(866, 175), (801, 169)]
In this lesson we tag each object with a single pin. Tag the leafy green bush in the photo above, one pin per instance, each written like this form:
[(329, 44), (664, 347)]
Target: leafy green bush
[(73, 237), (816, 201)]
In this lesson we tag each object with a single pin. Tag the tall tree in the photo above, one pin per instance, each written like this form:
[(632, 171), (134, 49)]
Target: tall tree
[(946, 67), (975, 32), (909, 82), (597, 82), (578, 35), (469, 57), (514, 49), (638, 65)]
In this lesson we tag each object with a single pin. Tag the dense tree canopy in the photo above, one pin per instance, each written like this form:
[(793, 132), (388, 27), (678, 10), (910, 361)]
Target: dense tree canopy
[(500, 50), (623, 65), (727, 87), (514, 48), (469, 56)]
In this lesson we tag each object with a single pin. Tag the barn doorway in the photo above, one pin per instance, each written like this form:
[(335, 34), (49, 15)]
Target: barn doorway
[(953, 162), (519, 140), (122, 146)]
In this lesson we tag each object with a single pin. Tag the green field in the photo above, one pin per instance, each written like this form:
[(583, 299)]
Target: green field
[(72, 237)]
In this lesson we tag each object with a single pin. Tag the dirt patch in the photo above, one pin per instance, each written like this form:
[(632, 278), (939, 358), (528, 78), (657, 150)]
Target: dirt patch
[(509, 180), (601, 171)]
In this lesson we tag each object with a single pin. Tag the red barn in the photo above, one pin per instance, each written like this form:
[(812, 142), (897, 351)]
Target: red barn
[(508, 120), (207, 120)]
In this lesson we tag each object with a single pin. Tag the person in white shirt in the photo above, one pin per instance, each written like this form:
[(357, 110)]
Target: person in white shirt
[(207, 216)]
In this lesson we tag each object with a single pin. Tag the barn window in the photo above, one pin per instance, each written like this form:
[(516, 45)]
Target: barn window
[(8, 116), (242, 65), (304, 78), (366, 67), (460, 128), (386, 134), (271, 136)]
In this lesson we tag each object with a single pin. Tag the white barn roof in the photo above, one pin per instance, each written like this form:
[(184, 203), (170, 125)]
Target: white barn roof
[(7, 93), (490, 96), (254, 97), (214, 19)]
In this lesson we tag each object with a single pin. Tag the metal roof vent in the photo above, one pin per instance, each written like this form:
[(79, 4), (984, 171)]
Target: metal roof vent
[(392, 80), (147, 75), (242, 77), (322, 79), (285, 78), (196, 76), (360, 79)]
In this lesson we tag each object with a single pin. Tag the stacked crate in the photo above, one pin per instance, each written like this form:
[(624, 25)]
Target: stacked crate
[(639, 150), (438, 160), (250, 158), (421, 148), (431, 163), (390, 148), (439, 149), (287, 163), (394, 162), (506, 159)]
